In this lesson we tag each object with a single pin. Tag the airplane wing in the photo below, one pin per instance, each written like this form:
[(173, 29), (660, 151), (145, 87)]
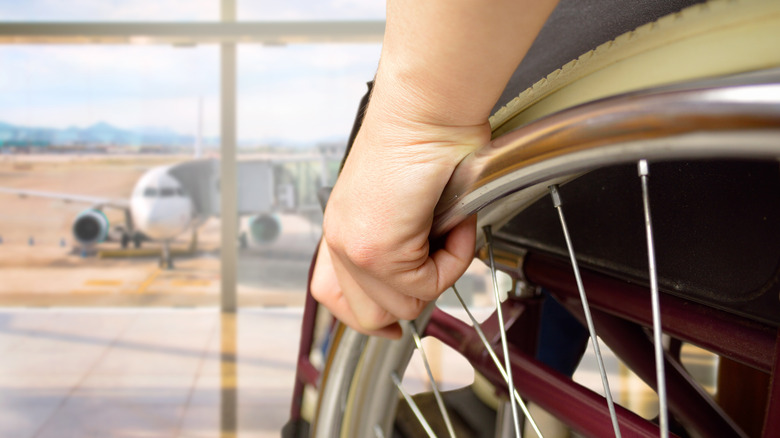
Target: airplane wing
[(95, 201)]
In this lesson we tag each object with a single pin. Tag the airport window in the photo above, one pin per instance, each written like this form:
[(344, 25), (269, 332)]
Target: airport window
[(90, 118), (112, 99), (123, 110), (115, 10), (301, 97), (310, 10)]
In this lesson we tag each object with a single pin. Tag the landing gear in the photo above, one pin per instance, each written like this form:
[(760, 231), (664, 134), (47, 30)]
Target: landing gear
[(166, 260), (129, 236), (194, 240)]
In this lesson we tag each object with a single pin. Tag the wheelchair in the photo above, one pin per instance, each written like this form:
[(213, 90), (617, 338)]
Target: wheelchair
[(643, 175)]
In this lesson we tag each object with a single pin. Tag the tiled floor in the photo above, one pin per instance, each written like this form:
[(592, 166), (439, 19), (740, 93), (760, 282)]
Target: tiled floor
[(146, 372)]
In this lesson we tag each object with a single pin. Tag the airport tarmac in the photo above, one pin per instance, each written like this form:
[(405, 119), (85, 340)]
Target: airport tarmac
[(42, 265), (52, 275)]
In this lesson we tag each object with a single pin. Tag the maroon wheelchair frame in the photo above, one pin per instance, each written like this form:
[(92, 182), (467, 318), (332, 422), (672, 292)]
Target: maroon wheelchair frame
[(620, 312)]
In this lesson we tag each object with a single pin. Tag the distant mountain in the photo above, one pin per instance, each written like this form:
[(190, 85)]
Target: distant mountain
[(104, 134), (99, 134)]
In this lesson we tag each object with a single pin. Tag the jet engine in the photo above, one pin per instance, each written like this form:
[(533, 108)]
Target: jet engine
[(90, 227), (264, 228)]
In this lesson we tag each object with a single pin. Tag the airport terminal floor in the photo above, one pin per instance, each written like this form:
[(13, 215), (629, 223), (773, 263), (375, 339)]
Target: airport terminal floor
[(145, 372), (107, 344)]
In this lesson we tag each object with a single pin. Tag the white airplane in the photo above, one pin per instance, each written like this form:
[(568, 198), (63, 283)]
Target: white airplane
[(168, 200)]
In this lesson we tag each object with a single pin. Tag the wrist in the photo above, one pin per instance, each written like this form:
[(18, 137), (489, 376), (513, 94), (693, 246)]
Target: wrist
[(399, 115), (411, 93)]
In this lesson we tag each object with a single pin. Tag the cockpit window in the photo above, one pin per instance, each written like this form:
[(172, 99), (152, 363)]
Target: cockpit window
[(163, 192)]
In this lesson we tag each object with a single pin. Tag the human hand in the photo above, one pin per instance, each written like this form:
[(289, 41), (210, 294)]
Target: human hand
[(375, 265), (444, 64)]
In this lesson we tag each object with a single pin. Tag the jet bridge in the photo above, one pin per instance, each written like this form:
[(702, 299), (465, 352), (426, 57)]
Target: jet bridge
[(263, 186)]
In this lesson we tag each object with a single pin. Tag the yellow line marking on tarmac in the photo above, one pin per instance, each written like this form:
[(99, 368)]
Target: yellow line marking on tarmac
[(90, 292), (101, 282), (184, 282), (148, 282)]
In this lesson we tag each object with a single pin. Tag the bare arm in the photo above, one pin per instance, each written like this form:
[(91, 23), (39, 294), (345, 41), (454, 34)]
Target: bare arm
[(444, 64)]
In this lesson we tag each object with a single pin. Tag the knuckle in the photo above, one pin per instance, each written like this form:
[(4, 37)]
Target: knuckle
[(372, 321), (317, 292), (362, 255), (411, 311), (355, 247)]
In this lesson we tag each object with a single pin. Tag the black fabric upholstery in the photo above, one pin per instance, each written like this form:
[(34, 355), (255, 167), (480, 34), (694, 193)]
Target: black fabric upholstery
[(716, 230)]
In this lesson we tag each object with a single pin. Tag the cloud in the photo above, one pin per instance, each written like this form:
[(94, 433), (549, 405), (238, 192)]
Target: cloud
[(311, 10), (301, 110), (187, 10), (306, 92), (109, 10), (301, 92), (298, 92)]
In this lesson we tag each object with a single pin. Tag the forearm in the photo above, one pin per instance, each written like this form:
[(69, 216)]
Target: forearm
[(446, 62)]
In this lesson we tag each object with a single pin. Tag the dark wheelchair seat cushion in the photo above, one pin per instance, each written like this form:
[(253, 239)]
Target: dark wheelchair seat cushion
[(716, 230)]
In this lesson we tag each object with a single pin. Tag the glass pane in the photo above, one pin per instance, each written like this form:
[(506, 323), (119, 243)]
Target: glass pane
[(311, 10), (103, 125), (96, 126), (115, 10), (147, 93), (296, 109), (301, 95)]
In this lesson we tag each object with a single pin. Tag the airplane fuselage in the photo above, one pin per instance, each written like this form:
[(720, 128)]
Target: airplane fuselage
[(159, 206)]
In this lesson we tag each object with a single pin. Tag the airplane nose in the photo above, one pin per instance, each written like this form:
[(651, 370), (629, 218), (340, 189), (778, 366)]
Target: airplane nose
[(153, 223)]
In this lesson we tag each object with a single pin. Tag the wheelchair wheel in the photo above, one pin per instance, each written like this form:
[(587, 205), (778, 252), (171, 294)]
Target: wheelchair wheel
[(694, 97)]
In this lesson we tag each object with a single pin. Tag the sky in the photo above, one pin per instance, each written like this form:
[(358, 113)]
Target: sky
[(298, 93)]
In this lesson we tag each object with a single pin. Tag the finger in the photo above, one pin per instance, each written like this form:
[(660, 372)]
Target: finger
[(458, 253), (405, 293), (376, 295), (424, 284), (325, 289), (370, 314), (338, 306)]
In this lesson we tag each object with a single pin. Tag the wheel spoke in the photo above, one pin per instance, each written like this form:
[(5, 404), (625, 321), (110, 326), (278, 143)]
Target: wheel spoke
[(434, 386), (496, 361), (556, 197), (644, 174), (412, 405), (500, 314)]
